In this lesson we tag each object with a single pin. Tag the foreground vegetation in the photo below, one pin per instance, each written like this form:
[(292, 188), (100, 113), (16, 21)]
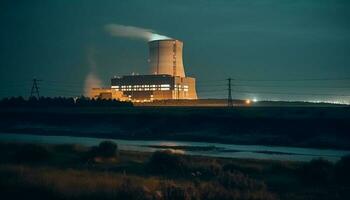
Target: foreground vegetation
[(32, 171)]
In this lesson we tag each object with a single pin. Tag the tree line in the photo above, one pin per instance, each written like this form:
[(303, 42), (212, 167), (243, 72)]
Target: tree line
[(61, 102)]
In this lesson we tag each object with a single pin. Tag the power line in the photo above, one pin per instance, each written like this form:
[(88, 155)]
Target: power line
[(209, 87), (296, 86), (282, 80), (292, 93), (266, 92), (305, 79)]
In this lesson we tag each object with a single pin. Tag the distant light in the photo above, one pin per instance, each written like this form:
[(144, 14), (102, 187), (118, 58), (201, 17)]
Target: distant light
[(255, 100), (247, 101)]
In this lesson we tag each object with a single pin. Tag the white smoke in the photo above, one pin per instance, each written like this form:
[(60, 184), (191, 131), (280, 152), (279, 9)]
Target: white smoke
[(91, 80), (133, 32)]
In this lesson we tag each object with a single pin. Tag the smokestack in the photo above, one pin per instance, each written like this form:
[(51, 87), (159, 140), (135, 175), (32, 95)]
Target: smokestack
[(165, 57)]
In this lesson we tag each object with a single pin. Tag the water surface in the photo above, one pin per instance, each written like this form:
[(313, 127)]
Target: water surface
[(191, 148)]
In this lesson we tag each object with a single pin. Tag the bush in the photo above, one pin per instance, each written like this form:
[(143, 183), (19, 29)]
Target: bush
[(317, 171), (106, 149), (207, 169), (166, 162), (31, 153), (342, 170)]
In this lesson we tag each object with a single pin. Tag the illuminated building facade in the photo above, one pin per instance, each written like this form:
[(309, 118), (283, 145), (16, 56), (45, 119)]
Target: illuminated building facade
[(106, 93), (146, 88)]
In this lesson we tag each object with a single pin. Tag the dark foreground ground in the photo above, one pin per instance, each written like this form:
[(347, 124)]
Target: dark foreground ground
[(320, 127), (32, 171)]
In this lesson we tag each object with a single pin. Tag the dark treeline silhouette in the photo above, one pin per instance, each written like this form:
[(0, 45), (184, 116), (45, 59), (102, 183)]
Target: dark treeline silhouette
[(61, 102)]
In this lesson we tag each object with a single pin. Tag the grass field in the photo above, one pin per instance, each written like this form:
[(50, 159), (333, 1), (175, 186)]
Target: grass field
[(33, 171)]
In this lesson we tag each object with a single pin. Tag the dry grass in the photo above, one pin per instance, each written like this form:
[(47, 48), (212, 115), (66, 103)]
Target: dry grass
[(79, 184), (70, 183)]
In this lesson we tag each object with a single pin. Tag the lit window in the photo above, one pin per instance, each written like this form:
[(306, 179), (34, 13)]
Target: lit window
[(165, 85)]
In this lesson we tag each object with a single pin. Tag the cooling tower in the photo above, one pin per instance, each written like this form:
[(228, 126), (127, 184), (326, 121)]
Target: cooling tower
[(165, 57)]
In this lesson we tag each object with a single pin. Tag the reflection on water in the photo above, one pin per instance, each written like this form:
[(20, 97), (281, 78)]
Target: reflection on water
[(191, 148)]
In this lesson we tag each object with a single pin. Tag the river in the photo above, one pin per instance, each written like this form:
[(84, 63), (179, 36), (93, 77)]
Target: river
[(191, 148)]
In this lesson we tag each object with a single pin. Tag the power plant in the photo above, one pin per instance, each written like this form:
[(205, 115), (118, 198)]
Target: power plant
[(167, 79)]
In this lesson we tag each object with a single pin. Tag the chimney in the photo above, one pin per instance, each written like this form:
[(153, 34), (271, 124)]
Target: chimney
[(165, 57)]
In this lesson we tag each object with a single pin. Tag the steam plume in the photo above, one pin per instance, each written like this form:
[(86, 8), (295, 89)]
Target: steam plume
[(133, 32), (91, 80)]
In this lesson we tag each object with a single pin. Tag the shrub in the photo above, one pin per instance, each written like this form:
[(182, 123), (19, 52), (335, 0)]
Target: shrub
[(207, 169), (317, 171), (342, 170), (106, 149), (166, 162), (31, 153)]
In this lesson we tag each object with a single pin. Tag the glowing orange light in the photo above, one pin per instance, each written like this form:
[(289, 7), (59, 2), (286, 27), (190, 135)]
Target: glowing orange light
[(247, 101)]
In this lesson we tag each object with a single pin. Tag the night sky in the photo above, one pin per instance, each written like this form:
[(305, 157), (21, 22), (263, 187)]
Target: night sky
[(274, 49)]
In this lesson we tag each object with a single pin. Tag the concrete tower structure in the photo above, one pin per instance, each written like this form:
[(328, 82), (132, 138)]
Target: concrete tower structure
[(165, 57), (167, 79)]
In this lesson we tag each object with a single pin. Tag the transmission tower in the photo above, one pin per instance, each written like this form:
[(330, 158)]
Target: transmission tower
[(229, 97), (35, 89)]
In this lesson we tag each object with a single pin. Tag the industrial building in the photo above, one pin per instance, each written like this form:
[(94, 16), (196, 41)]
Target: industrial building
[(107, 93), (166, 80), (155, 87)]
